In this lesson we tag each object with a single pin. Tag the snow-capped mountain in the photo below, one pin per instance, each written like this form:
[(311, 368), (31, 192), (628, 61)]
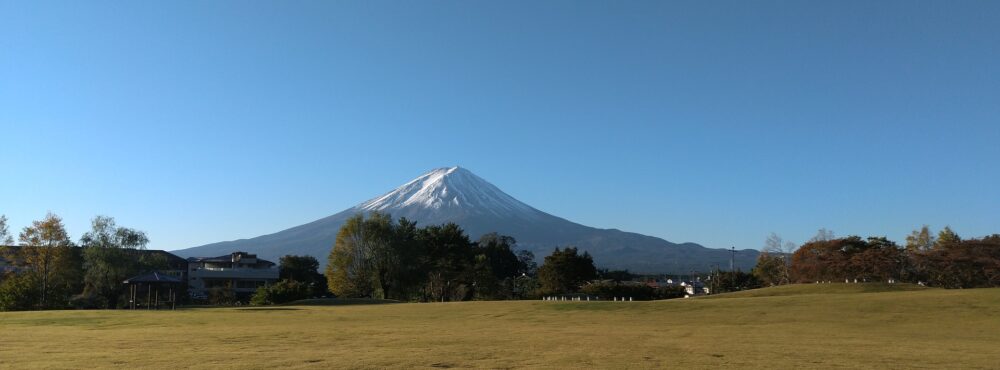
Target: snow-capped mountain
[(445, 193), (457, 195)]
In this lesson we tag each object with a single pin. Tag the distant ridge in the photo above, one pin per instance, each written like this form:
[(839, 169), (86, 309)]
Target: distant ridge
[(455, 194)]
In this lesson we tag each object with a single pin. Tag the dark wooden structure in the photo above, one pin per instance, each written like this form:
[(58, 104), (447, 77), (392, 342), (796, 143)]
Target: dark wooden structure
[(153, 283)]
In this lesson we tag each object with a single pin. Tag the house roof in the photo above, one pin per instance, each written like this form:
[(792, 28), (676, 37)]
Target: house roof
[(153, 278)]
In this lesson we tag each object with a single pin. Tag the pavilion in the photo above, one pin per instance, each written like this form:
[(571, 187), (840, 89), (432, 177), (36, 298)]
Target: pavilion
[(153, 283)]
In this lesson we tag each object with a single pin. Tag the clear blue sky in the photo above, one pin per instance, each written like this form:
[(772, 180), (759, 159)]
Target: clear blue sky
[(714, 123)]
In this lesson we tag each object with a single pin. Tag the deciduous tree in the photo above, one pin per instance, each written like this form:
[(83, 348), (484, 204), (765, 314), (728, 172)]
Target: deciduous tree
[(920, 240), (365, 260), (971, 263), (348, 271), (5, 237), (823, 235), (771, 269), (773, 263), (111, 255), (819, 260), (50, 262)]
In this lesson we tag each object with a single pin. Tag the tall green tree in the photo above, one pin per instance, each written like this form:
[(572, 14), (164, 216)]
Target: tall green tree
[(305, 270), (412, 270), (448, 258), (298, 268), (564, 271), (496, 266), (111, 255)]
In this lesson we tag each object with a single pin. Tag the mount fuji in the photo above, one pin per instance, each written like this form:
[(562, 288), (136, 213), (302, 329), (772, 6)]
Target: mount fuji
[(457, 195)]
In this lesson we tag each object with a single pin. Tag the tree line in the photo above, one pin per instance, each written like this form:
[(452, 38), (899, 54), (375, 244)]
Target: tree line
[(943, 260), (373, 257), (376, 257), (48, 271)]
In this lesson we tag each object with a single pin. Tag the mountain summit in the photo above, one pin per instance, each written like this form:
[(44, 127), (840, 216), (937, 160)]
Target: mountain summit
[(457, 195), (447, 193)]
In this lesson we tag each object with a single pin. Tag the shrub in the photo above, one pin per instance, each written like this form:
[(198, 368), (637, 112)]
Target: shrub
[(281, 292), (17, 292)]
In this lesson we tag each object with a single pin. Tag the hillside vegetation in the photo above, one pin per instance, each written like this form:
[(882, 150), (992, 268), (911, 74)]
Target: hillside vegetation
[(798, 326)]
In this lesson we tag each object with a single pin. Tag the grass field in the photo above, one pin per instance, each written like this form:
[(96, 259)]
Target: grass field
[(802, 326)]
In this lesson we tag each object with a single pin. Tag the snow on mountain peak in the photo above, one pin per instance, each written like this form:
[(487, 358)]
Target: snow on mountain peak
[(449, 188)]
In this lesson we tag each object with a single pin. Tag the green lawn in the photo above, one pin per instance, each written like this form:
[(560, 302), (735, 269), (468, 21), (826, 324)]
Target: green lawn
[(803, 326)]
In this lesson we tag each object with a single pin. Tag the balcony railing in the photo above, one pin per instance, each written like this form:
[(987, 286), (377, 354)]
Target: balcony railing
[(268, 273)]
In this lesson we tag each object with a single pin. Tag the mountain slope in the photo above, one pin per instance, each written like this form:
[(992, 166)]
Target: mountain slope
[(457, 195)]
